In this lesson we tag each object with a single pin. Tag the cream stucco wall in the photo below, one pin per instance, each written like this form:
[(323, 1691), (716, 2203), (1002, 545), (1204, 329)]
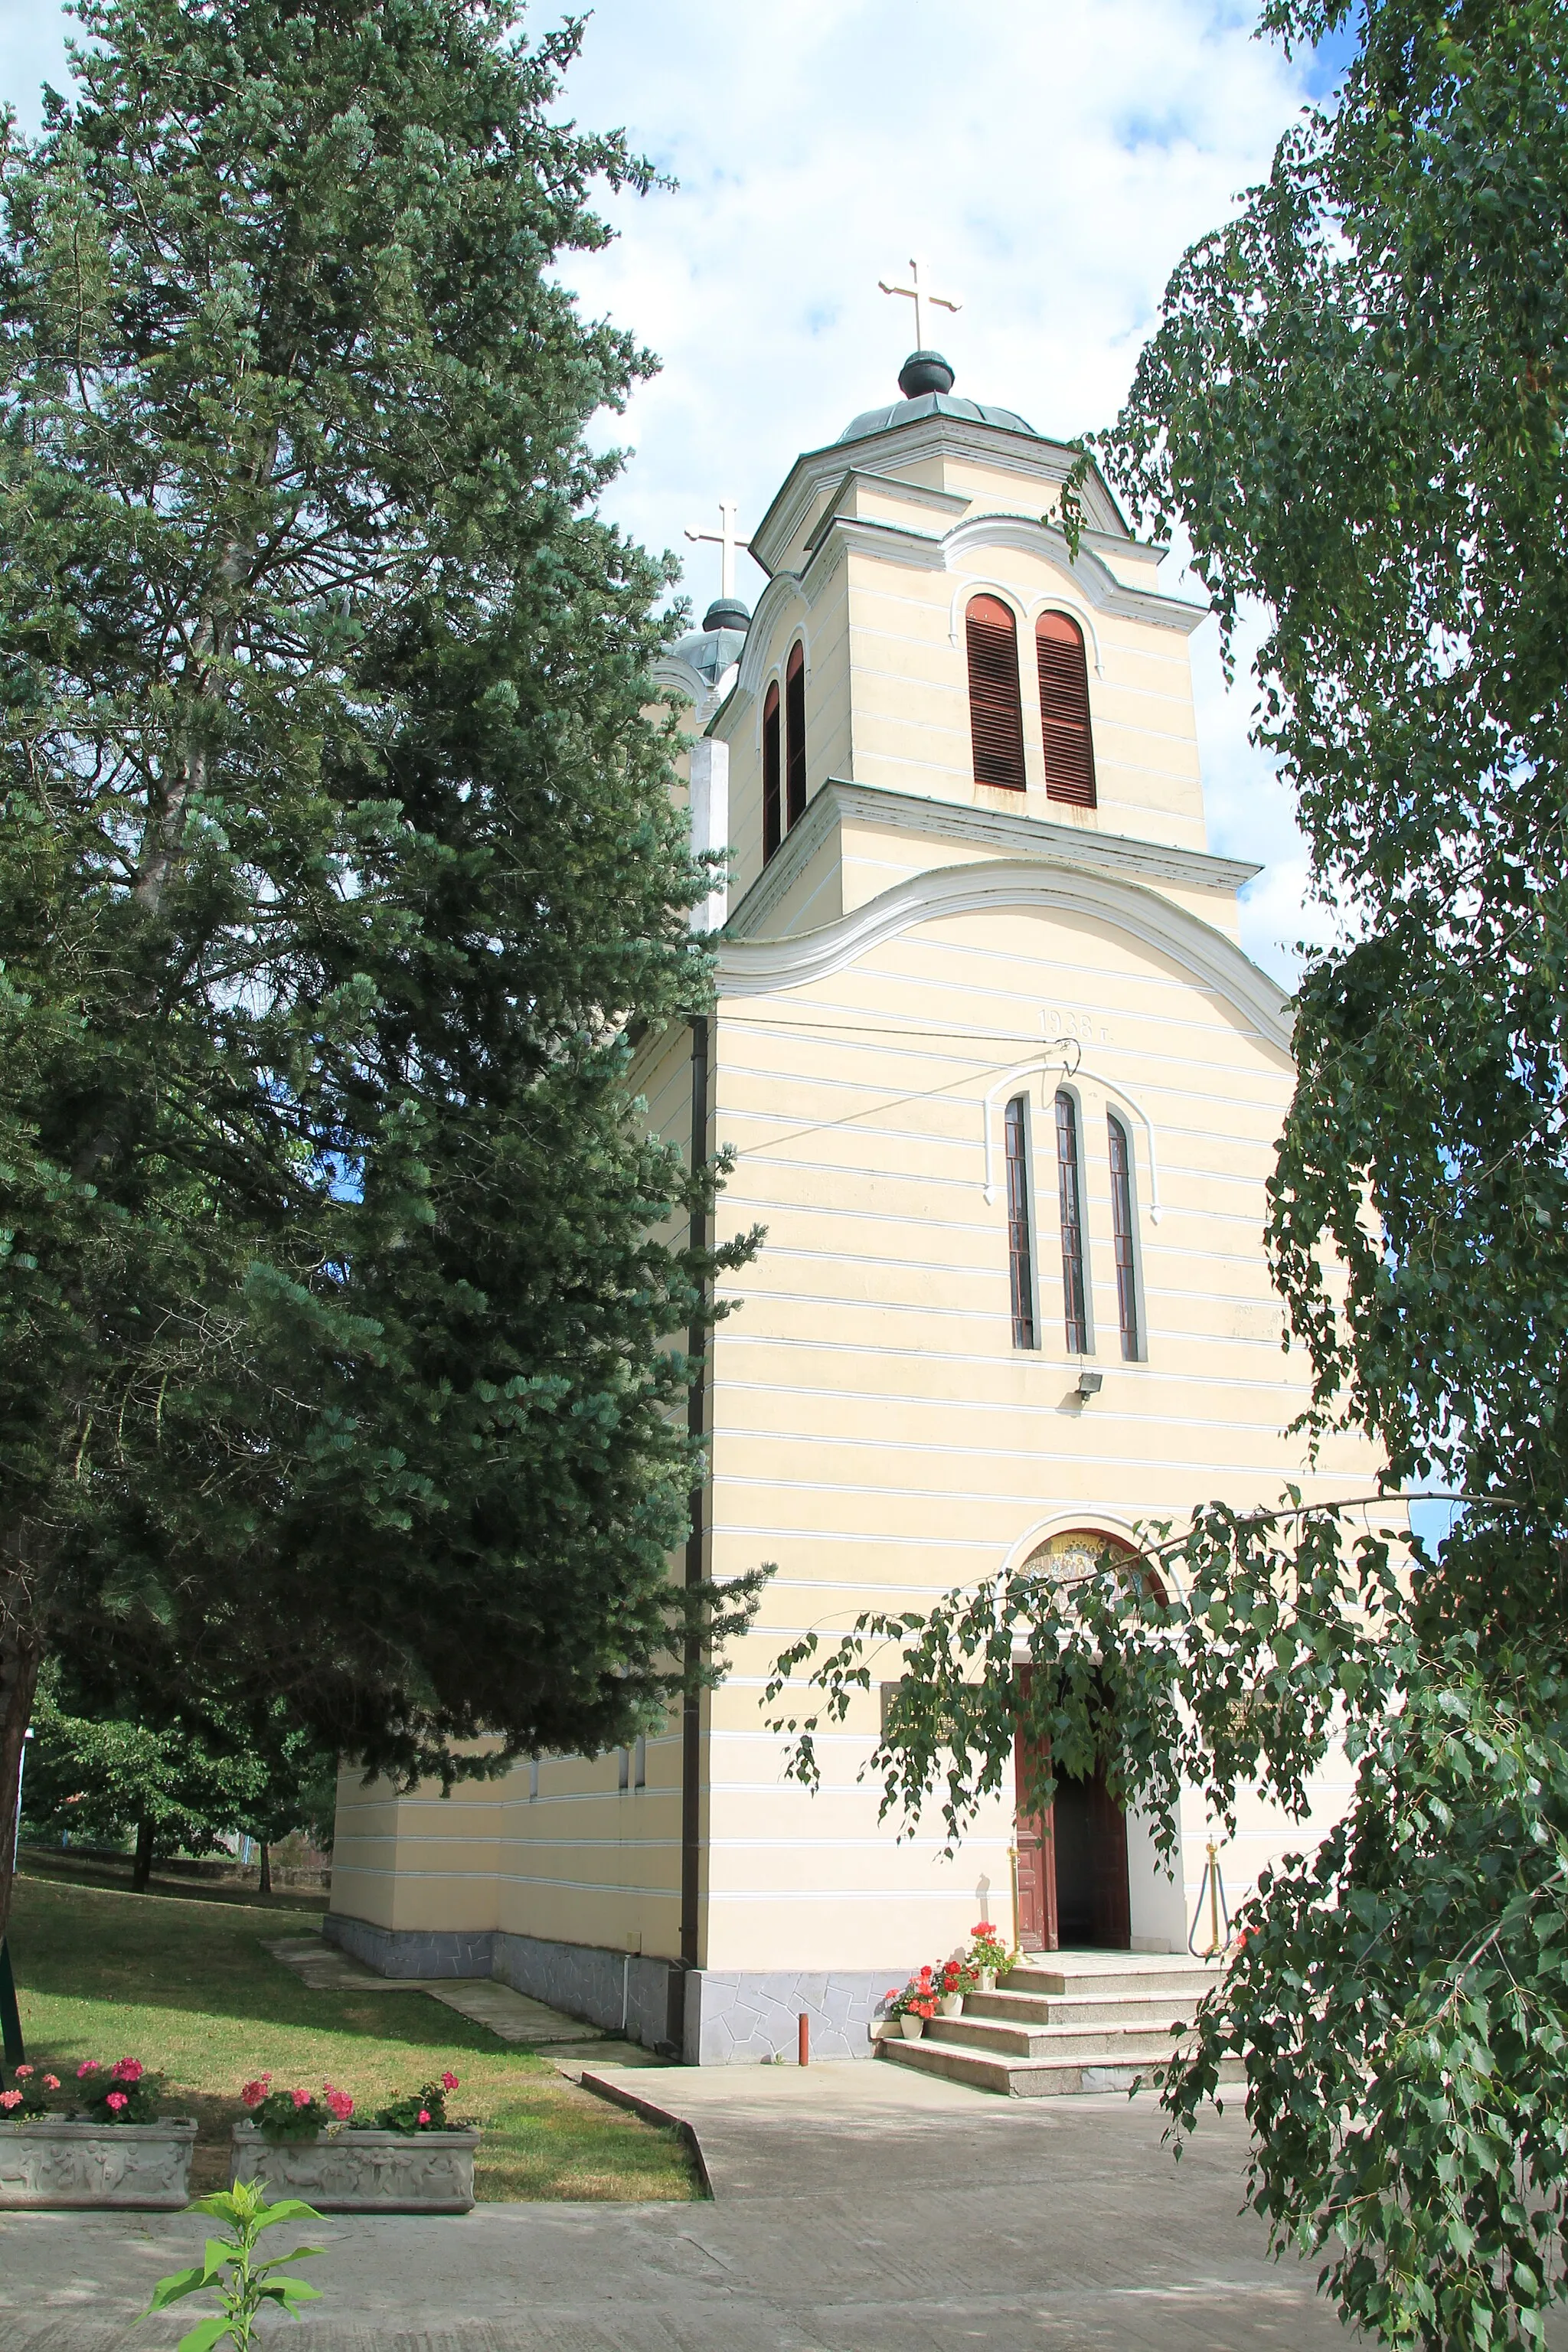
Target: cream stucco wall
[(922, 951)]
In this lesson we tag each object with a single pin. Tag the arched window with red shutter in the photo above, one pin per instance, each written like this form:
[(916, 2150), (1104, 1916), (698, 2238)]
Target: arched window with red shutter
[(1064, 710), (794, 735), (995, 716), (772, 806)]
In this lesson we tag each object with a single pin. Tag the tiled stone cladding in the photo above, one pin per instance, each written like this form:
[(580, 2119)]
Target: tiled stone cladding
[(413, 1951), (746, 2019)]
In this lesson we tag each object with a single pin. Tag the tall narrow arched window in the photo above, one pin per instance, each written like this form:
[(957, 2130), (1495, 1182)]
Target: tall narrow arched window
[(1020, 1257), (773, 807), (1121, 1225), (1070, 1177), (996, 715), (795, 734), (1064, 710)]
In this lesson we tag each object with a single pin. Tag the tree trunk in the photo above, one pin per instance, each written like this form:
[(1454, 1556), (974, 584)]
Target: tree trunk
[(142, 1868), (21, 1656), (266, 1886)]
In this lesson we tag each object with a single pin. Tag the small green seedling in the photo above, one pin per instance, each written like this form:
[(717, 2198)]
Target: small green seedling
[(249, 2284)]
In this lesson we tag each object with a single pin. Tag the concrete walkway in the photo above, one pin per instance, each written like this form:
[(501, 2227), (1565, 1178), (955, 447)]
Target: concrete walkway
[(858, 2207)]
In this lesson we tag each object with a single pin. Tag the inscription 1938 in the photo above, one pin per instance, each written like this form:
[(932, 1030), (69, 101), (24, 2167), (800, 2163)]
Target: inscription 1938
[(1074, 1021)]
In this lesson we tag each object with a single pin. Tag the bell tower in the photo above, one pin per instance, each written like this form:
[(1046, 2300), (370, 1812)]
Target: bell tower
[(931, 674)]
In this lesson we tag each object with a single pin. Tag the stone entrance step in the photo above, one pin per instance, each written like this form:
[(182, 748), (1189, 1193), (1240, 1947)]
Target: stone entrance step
[(1113, 1976), (1066, 2023), (1029, 2078), (1133, 2043), (1035, 2008)]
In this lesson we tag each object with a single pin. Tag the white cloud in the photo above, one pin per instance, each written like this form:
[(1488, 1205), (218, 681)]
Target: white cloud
[(1051, 158)]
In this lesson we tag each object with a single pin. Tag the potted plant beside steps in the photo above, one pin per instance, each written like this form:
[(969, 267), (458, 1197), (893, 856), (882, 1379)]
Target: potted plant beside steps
[(413, 2159), (99, 2140), (955, 1978), (913, 2009), (988, 1956)]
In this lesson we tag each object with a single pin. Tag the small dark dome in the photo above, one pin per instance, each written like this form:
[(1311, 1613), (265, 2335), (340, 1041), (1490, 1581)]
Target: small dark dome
[(926, 382), (924, 371), (726, 612), (720, 641)]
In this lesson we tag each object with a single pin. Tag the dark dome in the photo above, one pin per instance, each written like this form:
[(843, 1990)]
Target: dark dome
[(728, 612), (934, 404), (711, 648), (926, 381), (924, 371)]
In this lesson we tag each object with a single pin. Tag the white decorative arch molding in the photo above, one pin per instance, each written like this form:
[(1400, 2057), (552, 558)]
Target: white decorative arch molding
[(1091, 1519), (1094, 584), (1074, 612), (1070, 1071), (970, 586), (774, 676), (1026, 615), (670, 671), (767, 967), (757, 668)]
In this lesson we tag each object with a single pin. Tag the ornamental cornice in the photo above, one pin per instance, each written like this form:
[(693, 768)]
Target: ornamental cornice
[(995, 446), (928, 552), (765, 967), (840, 801)]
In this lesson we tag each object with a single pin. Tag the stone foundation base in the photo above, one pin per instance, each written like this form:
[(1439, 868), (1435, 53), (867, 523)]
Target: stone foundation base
[(413, 1951), (741, 2019), (711, 2017)]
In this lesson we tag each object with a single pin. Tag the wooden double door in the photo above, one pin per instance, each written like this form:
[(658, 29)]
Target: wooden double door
[(1072, 1867)]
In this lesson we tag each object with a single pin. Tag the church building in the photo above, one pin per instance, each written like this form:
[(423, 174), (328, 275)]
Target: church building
[(1004, 1089)]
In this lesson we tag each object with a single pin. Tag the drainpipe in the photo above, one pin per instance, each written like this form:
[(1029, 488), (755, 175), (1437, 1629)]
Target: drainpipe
[(696, 1422)]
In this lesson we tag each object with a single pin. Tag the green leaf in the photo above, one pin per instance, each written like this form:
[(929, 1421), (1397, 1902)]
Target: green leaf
[(205, 2334), (176, 2284)]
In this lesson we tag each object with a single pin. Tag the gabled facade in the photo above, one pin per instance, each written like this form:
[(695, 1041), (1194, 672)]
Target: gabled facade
[(1004, 1091)]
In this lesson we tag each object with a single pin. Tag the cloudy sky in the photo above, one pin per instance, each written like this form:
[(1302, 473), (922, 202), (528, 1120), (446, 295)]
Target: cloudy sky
[(1049, 159)]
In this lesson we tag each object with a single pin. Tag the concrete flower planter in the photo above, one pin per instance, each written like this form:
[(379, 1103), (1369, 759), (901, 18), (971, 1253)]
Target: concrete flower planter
[(50, 2162), (364, 2171)]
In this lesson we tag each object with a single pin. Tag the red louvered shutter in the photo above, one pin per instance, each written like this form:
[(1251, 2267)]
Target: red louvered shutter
[(772, 829), (1064, 711), (794, 733), (995, 716)]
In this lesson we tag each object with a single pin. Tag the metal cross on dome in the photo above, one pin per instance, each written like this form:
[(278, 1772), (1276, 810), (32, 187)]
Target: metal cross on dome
[(921, 297), (726, 541)]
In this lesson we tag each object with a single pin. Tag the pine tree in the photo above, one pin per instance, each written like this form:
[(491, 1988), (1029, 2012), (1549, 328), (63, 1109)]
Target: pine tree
[(337, 860)]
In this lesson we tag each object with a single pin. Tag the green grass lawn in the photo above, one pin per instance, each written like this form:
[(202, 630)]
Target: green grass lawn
[(180, 1981)]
